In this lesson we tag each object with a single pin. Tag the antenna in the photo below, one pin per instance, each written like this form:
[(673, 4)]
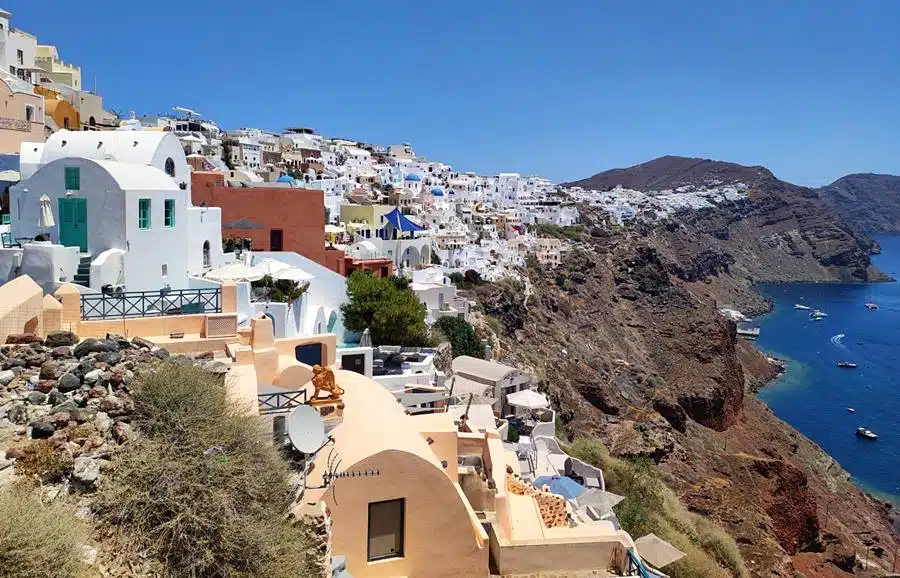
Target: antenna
[(306, 430)]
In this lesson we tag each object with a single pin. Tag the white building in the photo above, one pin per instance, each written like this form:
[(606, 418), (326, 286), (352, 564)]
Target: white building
[(17, 50), (438, 294)]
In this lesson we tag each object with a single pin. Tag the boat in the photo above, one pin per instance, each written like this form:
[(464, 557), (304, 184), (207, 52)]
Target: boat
[(803, 307), (846, 364), (817, 315), (851, 410), (871, 306), (865, 433)]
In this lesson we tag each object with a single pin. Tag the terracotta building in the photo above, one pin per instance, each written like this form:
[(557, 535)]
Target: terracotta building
[(274, 218)]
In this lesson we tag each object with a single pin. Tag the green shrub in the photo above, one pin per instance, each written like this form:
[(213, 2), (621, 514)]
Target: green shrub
[(391, 312), (41, 458), (461, 336), (38, 540), (203, 489), (456, 277)]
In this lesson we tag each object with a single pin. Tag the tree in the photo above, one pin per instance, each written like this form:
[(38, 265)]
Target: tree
[(280, 290), (391, 311), (472, 277), (456, 277), (461, 336)]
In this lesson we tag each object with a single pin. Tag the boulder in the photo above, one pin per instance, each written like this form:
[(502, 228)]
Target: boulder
[(110, 357), (36, 398), (60, 338), (68, 382), (83, 414), (95, 346), (57, 398), (141, 342), (92, 376), (122, 342), (86, 471), (161, 353), (67, 406), (12, 362), (41, 429), (22, 338), (49, 370), (111, 403), (61, 352), (6, 376)]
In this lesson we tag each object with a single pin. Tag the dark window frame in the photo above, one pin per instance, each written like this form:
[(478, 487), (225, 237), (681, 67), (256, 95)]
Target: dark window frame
[(401, 553)]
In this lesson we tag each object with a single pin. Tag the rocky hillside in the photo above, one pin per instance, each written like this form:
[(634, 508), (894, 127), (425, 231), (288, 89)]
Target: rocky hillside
[(626, 338), (868, 202), (781, 232)]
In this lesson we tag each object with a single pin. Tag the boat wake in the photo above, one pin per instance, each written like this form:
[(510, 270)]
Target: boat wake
[(838, 340)]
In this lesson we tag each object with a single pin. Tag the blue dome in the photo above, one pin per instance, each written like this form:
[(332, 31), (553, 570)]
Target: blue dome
[(413, 178), (437, 192), (285, 179)]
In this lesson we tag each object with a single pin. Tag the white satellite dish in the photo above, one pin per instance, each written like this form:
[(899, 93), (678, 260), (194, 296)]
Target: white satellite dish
[(306, 430)]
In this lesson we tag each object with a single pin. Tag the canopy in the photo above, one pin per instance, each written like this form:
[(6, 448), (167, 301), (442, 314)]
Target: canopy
[(400, 222), (270, 266), (560, 485), (45, 218), (234, 272), (528, 399), (656, 551)]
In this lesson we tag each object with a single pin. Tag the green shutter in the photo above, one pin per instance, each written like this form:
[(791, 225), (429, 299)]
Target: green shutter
[(170, 213), (73, 178), (143, 213)]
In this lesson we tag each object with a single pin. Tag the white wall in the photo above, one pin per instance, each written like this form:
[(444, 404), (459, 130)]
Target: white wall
[(148, 250), (49, 265), (203, 224), (10, 261), (108, 269)]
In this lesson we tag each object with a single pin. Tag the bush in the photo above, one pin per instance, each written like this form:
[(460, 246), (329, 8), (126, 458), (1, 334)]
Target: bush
[(38, 540), (462, 337), (280, 290), (41, 458), (456, 277), (203, 490), (390, 310)]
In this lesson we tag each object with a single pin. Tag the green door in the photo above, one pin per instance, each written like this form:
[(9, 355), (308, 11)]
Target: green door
[(73, 223)]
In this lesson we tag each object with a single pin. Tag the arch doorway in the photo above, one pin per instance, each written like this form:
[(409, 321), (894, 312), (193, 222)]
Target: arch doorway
[(206, 261)]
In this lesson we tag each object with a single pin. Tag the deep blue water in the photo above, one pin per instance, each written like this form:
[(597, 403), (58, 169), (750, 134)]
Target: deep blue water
[(814, 394)]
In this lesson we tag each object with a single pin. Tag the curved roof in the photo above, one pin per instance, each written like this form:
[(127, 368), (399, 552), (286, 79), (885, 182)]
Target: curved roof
[(125, 146), (437, 191), (413, 178), (137, 177)]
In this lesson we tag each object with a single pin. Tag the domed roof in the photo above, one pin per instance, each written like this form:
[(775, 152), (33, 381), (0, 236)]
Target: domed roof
[(413, 178), (437, 191)]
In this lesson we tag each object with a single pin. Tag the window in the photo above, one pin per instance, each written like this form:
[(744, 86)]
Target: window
[(206, 254), (66, 123), (12, 70), (165, 270), (170, 213), (386, 529), (170, 167), (20, 57), (73, 178), (29, 113), (143, 214)]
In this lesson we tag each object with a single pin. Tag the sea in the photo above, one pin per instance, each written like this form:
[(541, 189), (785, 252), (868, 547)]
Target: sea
[(815, 396)]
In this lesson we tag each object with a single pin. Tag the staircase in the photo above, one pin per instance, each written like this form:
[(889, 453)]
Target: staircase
[(83, 276)]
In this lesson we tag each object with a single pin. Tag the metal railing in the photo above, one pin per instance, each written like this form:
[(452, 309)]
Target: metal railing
[(150, 303), (281, 401)]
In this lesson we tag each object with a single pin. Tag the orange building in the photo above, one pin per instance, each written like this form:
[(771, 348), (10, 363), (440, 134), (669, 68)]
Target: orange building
[(59, 110), (274, 218)]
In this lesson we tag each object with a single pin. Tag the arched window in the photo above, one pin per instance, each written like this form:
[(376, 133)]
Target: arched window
[(206, 254), (170, 167), (92, 121)]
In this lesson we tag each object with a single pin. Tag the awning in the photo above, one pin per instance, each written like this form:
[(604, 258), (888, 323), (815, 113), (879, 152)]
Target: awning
[(400, 222), (656, 551), (234, 272), (528, 399)]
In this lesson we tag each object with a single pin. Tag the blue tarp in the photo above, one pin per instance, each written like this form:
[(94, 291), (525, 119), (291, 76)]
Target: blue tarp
[(560, 485), (399, 221)]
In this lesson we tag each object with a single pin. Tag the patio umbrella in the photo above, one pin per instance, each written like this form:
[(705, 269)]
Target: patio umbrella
[(366, 339), (234, 272), (656, 551), (528, 399), (293, 274), (560, 485), (45, 218), (269, 266)]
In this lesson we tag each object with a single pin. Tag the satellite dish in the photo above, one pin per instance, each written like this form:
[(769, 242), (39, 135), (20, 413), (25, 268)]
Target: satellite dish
[(305, 429)]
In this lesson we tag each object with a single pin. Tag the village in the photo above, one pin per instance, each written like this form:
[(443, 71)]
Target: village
[(167, 235)]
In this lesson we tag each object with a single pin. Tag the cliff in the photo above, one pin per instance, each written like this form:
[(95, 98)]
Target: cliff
[(868, 202)]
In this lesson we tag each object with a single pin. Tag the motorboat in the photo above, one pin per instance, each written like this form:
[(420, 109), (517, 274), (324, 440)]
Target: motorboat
[(871, 306), (817, 315), (851, 410), (802, 307), (846, 365), (865, 433)]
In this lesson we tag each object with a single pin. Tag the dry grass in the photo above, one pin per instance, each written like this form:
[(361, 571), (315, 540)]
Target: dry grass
[(652, 507), (38, 540), (41, 458), (204, 490)]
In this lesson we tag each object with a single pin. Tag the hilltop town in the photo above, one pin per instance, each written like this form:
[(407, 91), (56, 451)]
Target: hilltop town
[(367, 308)]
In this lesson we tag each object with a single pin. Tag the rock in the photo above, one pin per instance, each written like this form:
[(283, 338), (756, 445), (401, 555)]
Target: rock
[(17, 414), (37, 398), (111, 403), (34, 380), (161, 353), (119, 340), (102, 422), (92, 376), (61, 352), (57, 398), (88, 555), (41, 429), (204, 355), (60, 338), (122, 432), (216, 367), (22, 338), (110, 357), (5, 463), (86, 471), (6, 376), (98, 392), (92, 345), (68, 382), (49, 370), (83, 414), (60, 419), (141, 342), (13, 362), (45, 385), (68, 405)]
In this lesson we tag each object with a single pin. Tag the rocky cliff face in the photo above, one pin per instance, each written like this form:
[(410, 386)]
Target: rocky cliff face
[(630, 346), (868, 202)]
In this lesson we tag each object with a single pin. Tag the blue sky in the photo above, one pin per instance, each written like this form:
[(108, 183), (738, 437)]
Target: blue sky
[(808, 88)]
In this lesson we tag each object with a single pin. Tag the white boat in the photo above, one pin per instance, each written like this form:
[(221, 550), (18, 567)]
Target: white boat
[(846, 365), (817, 315), (803, 307), (871, 306), (851, 410), (865, 433)]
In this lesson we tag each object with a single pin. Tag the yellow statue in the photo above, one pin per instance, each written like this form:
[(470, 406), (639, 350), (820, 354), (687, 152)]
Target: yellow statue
[(323, 380)]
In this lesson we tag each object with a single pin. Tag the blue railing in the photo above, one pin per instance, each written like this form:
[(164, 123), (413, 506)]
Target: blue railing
[(150, 303), (638, 566)]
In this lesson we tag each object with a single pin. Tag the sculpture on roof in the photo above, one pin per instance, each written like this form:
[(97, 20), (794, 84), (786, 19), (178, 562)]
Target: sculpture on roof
[(323, 380)]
